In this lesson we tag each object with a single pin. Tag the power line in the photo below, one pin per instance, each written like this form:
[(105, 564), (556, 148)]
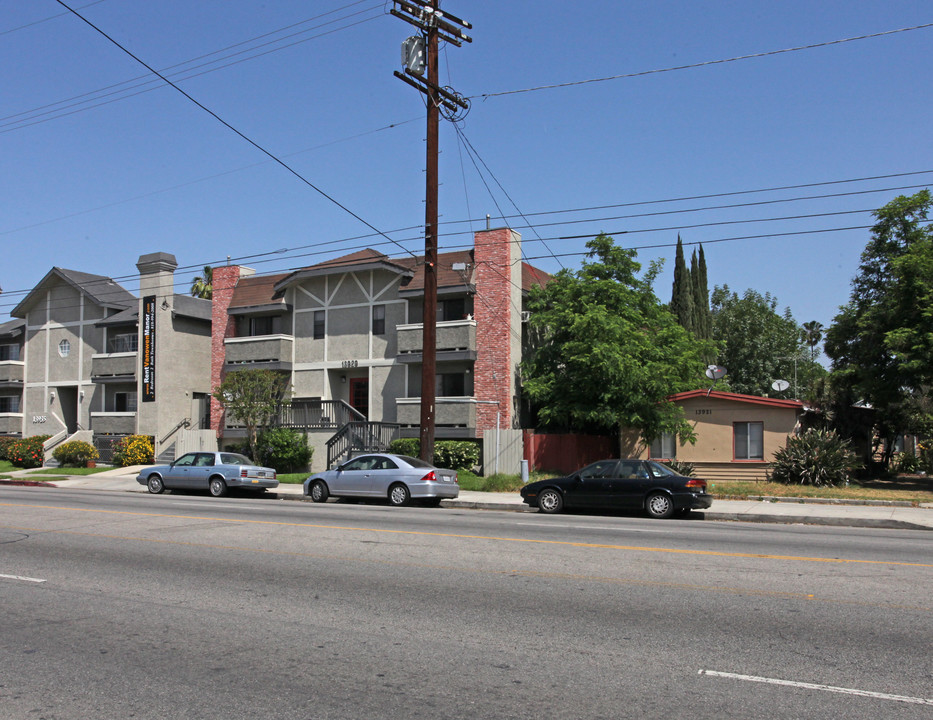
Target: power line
[(147, 85), (768, 53), (46, 19), (232, 128)]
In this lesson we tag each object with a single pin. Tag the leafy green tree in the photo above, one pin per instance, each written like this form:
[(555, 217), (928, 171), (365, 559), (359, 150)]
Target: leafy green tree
[(203, 285), (881, 342), (757, 344), (682, 290), (252, 397), (608, 353)]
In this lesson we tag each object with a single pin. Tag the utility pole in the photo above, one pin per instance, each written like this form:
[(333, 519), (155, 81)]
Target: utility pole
[(417, 53)]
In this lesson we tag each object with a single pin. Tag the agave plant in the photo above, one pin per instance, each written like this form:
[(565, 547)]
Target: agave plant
[(815, 457)]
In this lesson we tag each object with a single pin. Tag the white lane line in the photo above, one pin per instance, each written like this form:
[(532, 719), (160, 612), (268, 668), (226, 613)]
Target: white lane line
[(825, 688), (24, 579)]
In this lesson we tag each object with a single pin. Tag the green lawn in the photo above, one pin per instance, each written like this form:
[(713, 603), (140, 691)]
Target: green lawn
[(69, 471), (913, 489)]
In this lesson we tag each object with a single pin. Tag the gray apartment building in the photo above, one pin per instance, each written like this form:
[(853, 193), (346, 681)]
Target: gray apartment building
[(87, 359)]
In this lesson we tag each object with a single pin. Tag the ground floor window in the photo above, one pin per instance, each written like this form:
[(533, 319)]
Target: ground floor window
[(748, 440), (664, 447)]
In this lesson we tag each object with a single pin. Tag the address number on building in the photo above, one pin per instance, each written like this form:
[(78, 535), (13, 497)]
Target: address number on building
[(350, 363), (39, 418)]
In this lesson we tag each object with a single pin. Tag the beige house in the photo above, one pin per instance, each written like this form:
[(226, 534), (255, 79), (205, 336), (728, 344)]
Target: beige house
[(737, 435)]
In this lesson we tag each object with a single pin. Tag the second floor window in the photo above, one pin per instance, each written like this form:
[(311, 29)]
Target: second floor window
[(124, 402), (451, 385), (64, 348), (262, 326), (9, 352), (379, 319), (748, 438), (125, 342), (9, 404), (319, 324)]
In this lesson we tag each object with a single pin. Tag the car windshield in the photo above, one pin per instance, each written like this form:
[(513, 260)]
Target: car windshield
[(416, 462), (659, 470), (234, 459)]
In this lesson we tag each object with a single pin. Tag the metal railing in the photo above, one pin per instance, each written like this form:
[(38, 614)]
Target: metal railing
[(360, 436)]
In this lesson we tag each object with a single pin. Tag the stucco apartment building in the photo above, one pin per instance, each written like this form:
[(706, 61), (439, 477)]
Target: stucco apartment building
[(87, 359)]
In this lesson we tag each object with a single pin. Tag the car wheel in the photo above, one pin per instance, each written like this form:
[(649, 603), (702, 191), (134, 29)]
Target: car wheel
[(218, 487), (399, 495), (659, 505), (155, 484), (550, 501), (319, 492)]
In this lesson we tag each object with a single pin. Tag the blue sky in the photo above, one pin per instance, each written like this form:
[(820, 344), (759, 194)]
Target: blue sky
[(144, 170)]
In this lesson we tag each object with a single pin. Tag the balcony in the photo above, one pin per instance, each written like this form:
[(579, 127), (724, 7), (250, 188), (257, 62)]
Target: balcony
[(113, 423), (11, 423), (448, 412), (114, 367), (11, 373), (269, 352), (456, 339)]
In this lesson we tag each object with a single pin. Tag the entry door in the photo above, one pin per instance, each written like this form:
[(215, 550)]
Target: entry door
[(359, 395)]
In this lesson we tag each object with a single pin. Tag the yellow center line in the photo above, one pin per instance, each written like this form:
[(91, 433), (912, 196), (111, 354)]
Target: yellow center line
[(462, 536)]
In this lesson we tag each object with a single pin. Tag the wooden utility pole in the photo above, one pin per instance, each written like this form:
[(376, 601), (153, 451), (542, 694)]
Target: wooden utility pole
[(418, 52)]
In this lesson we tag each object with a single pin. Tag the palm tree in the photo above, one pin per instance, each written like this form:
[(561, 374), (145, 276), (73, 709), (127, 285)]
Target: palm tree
[(203, 285), (810, 334)]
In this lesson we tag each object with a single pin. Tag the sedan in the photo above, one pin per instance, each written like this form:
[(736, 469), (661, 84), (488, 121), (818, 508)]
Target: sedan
[(212, 471), (621, 484), (396, 478)]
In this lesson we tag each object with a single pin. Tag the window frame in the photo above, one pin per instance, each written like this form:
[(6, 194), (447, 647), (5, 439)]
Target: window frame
[(318, 324), (749, 439), (379, 320)]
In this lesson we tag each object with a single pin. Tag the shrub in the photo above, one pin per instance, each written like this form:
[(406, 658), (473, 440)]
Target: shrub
[(134, 450), (925, 455), (816, 457), (681, 468), (905, 462), (75, 453), (27, 452), (452, 454), (284, 449), (5, 443)]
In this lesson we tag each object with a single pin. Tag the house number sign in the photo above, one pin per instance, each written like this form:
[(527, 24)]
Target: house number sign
[(350, 363)]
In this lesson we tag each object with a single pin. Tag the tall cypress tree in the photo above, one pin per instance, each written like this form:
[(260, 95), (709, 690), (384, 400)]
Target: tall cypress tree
[(702, 321), (682, 291)]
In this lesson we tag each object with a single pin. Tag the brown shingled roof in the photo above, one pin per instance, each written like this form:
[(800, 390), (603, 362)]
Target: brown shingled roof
[(256, 290)]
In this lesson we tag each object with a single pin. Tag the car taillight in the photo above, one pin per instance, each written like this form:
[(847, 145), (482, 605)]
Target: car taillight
[(430, 477), (243, 472), (697, 484)]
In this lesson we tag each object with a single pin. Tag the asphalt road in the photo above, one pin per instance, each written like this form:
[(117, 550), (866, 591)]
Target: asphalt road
[(119, 605)]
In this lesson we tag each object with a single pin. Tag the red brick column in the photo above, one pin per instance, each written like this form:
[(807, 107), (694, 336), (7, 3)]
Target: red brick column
[(492, 371), (224, 280)]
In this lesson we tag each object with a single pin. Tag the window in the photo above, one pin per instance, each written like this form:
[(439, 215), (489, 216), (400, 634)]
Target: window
[(124, 402), (262, 326), (748, 440), (125, 342), (9, 404), (318, 324), (9, 352), (450, 385), (452, 309), (64, 347), (664, 447), (379, 319)]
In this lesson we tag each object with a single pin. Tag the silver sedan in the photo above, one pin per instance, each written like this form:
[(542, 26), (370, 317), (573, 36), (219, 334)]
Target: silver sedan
[(212, 471), (396, 478)]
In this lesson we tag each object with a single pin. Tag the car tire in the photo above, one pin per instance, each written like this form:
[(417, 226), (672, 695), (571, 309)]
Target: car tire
[(155, 484), (550, 501), (659, 505), (217, 487), (399, 495), (318, 491)]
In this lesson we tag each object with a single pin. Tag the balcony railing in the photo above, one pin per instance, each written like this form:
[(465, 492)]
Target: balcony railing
[(451, 335), (113, 423), (448, 411), (11, 371), (311, 415), (259, 349), (114, 366)]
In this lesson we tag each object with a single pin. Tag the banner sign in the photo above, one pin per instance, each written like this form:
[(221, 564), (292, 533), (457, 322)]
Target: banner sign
[(148, 348)]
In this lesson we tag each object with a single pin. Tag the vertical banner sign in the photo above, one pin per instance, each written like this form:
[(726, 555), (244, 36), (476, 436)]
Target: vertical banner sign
[(148, 354)]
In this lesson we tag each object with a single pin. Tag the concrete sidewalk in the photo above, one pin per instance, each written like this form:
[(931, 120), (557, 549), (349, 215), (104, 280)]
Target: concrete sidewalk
[(787, 510)]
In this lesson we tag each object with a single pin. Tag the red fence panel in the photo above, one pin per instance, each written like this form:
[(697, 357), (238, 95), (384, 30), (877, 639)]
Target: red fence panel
[(564, 453)]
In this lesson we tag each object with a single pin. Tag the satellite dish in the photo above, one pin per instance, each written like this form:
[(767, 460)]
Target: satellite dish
[(780, 385), (714, 372)]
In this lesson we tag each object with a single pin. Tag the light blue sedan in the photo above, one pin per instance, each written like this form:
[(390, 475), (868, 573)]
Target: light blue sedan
[(396, 478), (212, 471)]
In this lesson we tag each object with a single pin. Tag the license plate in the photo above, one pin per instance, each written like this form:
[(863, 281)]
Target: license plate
[(255, 481)]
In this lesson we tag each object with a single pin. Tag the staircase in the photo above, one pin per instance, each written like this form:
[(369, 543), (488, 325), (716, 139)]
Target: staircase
[(360, 436)]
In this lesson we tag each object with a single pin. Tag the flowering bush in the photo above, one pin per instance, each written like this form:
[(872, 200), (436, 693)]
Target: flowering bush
[(134, 450), (27, 452), (925, 455), (75, 453), (5, 443)]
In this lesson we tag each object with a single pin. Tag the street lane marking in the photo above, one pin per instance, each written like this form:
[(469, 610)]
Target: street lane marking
[(23, 578), (421, 533), (825, 688)]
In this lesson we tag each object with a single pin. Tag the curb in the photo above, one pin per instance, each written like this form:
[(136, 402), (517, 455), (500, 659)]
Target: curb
[(880, 523)]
